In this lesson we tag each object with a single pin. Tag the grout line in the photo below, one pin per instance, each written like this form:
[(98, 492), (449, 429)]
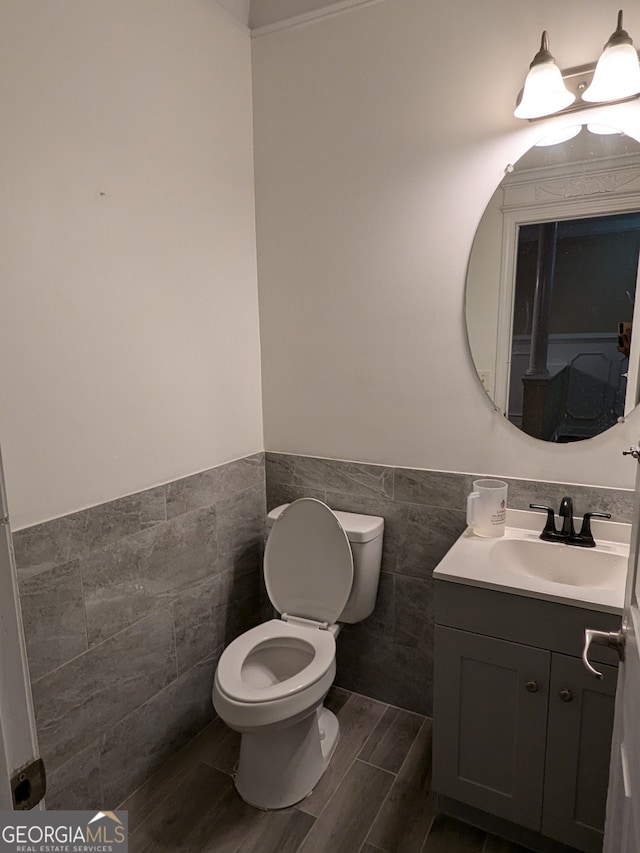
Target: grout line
[(308, 832), (426, 838), (406, 758), (372, 846), (100, 774), (176, 777), (172, 611), (396, 775), (175, 761), (339, 781), (84, 605), (382, 805), (375, 767), (155, 612), (382, 702), (368, 738)]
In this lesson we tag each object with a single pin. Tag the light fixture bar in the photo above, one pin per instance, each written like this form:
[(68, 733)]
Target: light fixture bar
[(577, 79), (548, 91)]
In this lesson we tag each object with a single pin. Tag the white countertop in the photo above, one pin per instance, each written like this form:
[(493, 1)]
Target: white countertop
[(476, 561)]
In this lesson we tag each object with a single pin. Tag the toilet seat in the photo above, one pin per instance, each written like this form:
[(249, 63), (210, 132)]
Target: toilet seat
[(308, 562), (274, 634)]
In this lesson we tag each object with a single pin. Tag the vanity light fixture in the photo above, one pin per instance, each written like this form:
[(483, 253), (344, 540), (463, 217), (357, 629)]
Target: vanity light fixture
[(617, 74), (544, 90), (549, 91)]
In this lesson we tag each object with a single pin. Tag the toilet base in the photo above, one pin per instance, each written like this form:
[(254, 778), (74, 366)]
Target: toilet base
[(279, 767)]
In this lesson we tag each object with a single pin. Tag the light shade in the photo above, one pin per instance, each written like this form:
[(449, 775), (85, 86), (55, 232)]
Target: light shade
[(604, 130), (544, 90), (617, 73), (559, 136)]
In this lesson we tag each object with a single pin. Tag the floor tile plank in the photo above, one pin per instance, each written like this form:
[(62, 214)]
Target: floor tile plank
[(358, 718), (392, 739), (281, 831), (205, 815), (402, 823), (219, 746), (448, 835), (375, 796), (336, 698), (212, 742), (344, 823)]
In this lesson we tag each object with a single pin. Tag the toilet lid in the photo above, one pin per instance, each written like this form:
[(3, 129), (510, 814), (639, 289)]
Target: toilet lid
[(308, 565)]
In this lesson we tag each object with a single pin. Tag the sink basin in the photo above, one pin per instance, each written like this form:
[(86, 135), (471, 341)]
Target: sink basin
[(522, 564), (560, 564)]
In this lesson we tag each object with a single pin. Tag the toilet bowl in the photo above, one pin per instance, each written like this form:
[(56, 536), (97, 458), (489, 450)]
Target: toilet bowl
[(271, 681), (274, 672)]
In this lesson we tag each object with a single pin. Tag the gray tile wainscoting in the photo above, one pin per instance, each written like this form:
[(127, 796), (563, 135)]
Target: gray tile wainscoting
[(128, 605), (126, 608), (389, 656)]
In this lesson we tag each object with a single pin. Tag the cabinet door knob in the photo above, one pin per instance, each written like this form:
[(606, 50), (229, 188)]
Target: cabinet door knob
[(566, 695), (532, 686)]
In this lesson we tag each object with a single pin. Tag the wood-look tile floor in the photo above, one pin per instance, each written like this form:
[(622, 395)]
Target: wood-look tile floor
[(374, 796)]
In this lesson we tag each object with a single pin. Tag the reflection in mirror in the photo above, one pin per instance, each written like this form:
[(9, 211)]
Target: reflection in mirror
[(551, 288), (572, 319)]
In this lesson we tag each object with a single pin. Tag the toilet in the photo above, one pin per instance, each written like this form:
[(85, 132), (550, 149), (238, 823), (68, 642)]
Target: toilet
[(320, 568)]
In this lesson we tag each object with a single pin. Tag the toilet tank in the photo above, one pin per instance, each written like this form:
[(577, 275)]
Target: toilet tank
[(365, 538)]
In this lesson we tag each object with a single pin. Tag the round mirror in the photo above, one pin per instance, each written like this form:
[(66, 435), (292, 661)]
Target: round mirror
[(551, 286)]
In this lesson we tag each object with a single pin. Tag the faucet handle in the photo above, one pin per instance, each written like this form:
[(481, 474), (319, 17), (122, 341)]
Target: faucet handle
[(550, 526), (586, 536)]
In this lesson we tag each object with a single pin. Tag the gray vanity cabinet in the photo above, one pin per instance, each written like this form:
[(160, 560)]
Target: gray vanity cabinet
[(521, 730), (491, 723), (578, 752)]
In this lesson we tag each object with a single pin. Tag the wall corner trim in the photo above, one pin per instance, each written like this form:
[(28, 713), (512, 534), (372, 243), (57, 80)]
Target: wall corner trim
[(310, 17), (231, 19)]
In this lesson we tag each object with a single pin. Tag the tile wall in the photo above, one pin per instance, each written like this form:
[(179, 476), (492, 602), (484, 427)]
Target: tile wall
[(389, 656), (127, 607)]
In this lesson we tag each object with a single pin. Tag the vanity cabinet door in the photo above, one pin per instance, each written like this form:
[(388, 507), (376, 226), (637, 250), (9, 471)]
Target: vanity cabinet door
[(578, 750), (490, 720)]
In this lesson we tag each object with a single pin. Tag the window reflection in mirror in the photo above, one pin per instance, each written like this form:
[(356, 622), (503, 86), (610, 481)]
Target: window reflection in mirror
[(551, 288), (572, 321)]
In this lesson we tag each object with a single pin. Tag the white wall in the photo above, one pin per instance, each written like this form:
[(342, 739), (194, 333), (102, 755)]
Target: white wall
[(380, 136), (129, 345)]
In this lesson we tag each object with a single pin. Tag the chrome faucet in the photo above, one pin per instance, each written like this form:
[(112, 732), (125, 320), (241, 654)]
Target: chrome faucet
[(568, 535)]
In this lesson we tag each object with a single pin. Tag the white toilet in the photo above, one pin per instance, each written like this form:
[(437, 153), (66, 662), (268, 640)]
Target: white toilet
[(320, 566)]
